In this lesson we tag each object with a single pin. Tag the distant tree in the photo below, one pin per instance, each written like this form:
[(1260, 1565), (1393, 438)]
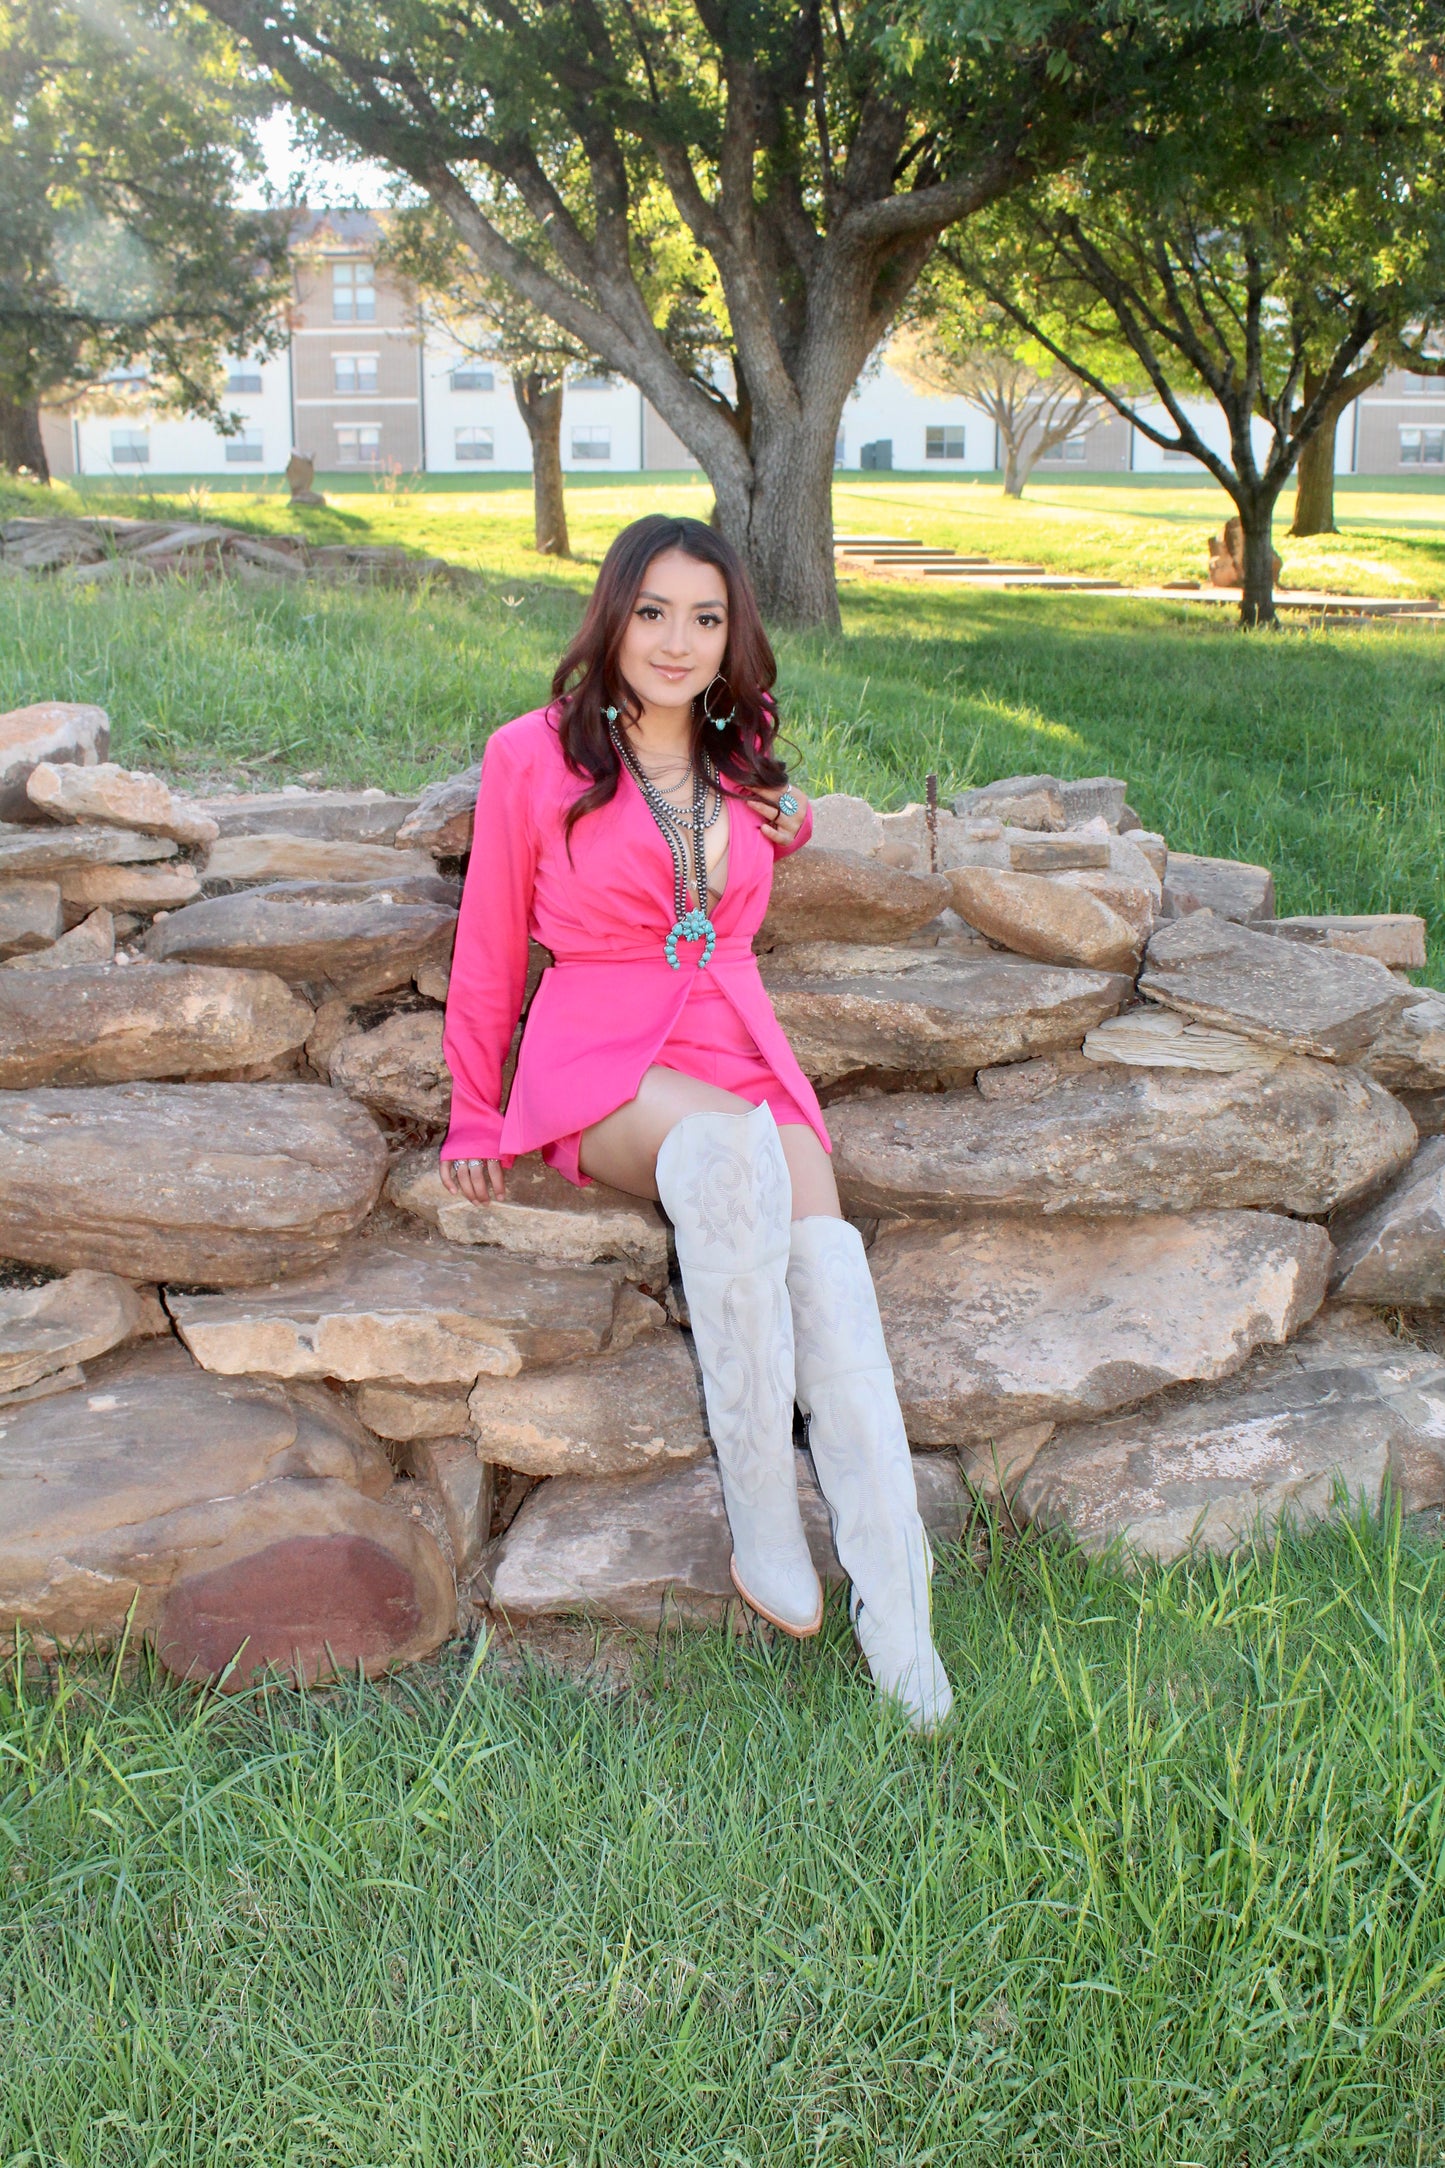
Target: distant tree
[(812, 150), (968, 349), (1314, 504), (488, 317), (1264, 242), (122, 139)]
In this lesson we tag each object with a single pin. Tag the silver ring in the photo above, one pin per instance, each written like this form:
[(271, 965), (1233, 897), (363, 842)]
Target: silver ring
[(787, 803)]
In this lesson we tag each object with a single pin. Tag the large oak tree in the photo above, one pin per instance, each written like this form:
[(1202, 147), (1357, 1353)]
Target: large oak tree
[(814, 150)]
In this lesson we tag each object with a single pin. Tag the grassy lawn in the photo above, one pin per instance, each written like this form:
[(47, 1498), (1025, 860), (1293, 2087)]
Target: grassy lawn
[(1171, 1895)]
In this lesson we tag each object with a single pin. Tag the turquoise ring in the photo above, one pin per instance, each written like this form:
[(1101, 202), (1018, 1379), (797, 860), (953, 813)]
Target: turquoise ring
[(787, 803)]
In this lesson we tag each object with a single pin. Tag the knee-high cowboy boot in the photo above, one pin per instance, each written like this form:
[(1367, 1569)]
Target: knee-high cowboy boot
[(725, 1184), (860, 1451)]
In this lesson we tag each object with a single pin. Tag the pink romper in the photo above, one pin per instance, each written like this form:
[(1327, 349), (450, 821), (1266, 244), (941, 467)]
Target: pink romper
[(610, 1006)]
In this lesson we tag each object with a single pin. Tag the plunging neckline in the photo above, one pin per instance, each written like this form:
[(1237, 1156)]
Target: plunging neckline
[(724, 828)]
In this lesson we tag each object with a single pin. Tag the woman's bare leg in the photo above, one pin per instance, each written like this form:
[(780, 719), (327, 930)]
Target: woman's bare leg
[(622, 1149)]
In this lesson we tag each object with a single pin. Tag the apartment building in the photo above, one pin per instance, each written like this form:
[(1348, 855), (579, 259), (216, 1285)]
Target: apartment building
[(366, 384)]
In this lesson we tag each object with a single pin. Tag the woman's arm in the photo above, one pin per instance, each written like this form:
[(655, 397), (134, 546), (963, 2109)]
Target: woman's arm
[(787, 832), (489, 963)]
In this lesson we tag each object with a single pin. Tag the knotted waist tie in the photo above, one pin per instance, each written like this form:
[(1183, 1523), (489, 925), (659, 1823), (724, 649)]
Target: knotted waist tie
[(729, 948)]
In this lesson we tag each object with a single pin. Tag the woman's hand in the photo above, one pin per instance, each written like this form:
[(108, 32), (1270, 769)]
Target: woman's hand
[(469, 1178), (778, 826)]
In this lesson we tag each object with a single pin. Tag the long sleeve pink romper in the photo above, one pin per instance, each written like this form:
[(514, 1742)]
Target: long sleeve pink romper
[(611, 1005)]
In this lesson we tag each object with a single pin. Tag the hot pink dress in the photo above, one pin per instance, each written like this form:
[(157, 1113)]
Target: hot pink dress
[(611, 1005)]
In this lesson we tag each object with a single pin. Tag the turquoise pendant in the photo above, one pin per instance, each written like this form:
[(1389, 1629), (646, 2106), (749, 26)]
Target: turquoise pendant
[(692, 926)]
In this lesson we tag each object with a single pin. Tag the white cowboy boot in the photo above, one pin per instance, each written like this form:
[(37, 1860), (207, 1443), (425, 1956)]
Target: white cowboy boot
[(724, 1182), (860, 1452)]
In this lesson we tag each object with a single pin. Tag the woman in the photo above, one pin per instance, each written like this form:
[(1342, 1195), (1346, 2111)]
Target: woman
[(631, 828)]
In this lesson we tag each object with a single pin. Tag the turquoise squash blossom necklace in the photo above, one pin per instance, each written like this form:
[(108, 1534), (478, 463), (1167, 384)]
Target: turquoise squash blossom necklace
[(689, 923)]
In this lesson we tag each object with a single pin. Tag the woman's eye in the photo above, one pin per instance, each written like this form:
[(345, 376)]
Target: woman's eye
[(649, 610), (709, 622)]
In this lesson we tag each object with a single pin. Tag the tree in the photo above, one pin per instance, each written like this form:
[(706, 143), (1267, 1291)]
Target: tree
[(813, 150), (486, 316), (970, 350), (1258, 245), (121, 142)]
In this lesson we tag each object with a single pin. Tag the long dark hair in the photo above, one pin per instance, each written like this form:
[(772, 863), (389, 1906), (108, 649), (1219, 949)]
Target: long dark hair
[(589, 679)]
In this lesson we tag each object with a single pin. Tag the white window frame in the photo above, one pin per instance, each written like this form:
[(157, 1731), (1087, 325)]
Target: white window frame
[(1070, 452), (485, 379), (475, 445), (130, 447), (243, 377), (592, 442), (246, 449), (1424, 452), (943, 431), (353, 291), (354, 363), (371, 431)]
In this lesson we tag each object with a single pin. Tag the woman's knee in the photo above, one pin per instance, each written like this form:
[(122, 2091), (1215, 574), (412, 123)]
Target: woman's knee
[(815, 1192)]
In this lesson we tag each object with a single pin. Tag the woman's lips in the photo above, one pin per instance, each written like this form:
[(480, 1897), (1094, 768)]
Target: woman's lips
[(673, 676)]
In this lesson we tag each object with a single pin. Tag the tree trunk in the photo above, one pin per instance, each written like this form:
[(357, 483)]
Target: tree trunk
[(781, 522), (1256, 516), (539, 400), (1314, 504), (22, 447), (1013, 480)]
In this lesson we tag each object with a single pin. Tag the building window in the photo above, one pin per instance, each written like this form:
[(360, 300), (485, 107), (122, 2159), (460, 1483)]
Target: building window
[(129, 448), (475, 444), (353, 293), (469, 376), (591, 381), (592, 443), (360, 446), (1422, 447), (245, 449), (1173, 457), (354, 372), (244, 376), (944, 443), (1072, 452), (1415, 386)]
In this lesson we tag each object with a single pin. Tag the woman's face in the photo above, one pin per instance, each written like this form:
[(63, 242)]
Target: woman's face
[(678, 632)]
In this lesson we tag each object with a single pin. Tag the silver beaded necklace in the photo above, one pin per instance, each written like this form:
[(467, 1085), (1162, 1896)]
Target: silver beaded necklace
[(688, 924)]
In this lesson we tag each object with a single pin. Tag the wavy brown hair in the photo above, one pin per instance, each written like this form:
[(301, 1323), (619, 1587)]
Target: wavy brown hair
[(589, 679)]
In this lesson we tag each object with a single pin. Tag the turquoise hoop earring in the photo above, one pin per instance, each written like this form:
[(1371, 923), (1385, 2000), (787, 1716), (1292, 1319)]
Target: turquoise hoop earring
[(719, 722)]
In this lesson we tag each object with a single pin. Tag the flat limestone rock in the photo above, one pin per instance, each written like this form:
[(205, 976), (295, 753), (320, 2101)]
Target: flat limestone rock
[(404, 1412), (1408, 1053), (1031, 915), (441, 820), (217, 1184), (102, 1024), (405, 1313), (91, 942), (1002, 1323), (1226, 886), (65, 1322), (32, 916), (823, 895), (1136, 900), (41, 851), (465, 1488), (287, 857), (844, 823), (909, 1010), (1024, 801), (330, 816), (619, 1415), (207, 1512), (1303, 999), (646, 1550), (53, 730), (397, 1067), (1393, 938), (1392, 1250), (123, 797), (344, 938), (142, 889), (1302, 1139), (1148, 1038), (1335, 1414), (543, 1215)]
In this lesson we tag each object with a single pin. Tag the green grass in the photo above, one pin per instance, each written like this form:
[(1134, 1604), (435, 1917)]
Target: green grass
[(1171, 1895), (1319, 754)]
